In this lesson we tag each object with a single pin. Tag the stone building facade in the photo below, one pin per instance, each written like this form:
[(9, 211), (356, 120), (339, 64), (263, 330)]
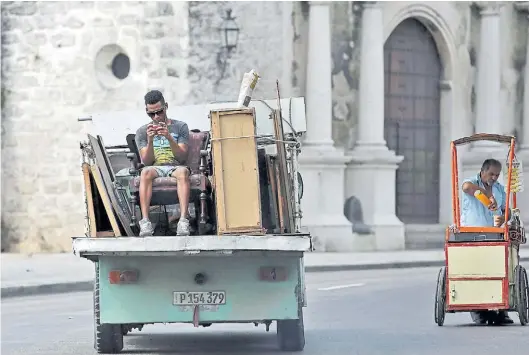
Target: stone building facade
[(387, 85)]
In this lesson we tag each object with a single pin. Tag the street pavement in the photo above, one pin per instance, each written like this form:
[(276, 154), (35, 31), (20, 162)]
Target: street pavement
[(53, 273), (364, 312)]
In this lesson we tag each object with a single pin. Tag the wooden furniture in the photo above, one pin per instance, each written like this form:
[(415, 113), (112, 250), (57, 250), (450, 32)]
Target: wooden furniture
[(235, 171)]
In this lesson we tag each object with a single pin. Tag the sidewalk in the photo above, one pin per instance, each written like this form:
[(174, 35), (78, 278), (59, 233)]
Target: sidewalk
[(55, 273)]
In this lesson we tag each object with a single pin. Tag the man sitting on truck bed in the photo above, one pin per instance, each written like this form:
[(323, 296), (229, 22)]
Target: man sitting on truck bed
[(163, 147), (474, 214)]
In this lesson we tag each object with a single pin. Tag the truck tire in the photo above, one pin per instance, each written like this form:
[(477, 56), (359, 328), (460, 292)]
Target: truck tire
[(291, 333), (108, 338)]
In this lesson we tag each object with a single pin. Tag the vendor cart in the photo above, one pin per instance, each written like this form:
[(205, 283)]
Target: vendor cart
[(482, 271)]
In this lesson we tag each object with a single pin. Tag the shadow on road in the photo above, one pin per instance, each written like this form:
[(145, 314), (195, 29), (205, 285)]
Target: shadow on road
[(198, 344)]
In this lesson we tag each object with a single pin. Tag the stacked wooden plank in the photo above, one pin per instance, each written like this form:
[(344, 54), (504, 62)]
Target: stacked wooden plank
[(108, 211)]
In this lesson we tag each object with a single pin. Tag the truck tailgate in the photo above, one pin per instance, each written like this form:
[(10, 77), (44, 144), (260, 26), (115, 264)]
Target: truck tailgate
[(198, 278)]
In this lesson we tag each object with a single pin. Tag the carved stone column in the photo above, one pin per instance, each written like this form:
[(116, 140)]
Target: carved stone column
[(371, 86), (319, 81), (488, 89), (371, 175), (321, 164)]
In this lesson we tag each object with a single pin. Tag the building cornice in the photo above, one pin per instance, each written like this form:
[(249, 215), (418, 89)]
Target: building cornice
[(522, 5)]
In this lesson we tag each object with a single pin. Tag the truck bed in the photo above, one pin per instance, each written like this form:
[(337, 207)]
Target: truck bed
[(226, 244)]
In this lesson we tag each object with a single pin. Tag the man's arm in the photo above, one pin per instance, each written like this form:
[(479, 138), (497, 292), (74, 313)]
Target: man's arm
[(180, 147), (145, 147), (470, 188)]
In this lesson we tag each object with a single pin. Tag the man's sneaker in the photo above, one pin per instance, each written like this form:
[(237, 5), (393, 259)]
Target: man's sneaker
[(146, 229), (182, 228), (503, 318)]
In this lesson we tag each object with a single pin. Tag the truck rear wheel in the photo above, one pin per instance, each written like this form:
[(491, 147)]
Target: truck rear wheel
[(108, 338), (291, 333)]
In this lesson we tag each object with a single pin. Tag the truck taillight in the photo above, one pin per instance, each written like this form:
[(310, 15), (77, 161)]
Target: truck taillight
[(123, 277)]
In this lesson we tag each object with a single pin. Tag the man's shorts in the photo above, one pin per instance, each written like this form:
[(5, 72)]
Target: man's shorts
[(167, 170)]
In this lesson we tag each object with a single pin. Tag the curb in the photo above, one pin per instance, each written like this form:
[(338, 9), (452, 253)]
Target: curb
[(84, 286), (47, 289)]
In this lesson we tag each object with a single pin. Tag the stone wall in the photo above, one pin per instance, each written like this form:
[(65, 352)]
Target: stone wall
[(55, 68), (212, 76)]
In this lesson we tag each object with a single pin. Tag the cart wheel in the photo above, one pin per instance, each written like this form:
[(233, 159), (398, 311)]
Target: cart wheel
[(521, 289), (291, 333), (108, 338), (440, 298)]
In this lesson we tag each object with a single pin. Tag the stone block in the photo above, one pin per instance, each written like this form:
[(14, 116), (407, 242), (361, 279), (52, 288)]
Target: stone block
[(129, 19), (172, 73), (25, 186), (7, 52), (76, 188), (104, 36), (23, 8), (73, 22), (45, 22), (130, 33), (10, 38), (171, 49), (55, 186), (158, 8), (153, 31), (102, 22), (16, 64), (109, 6), (52, 7), (41, 202), (86, 39), (37, 38), (45, 95), (62, 40), (13, 205), (74, 97), (83, 5), (22, 81), (16, 23)]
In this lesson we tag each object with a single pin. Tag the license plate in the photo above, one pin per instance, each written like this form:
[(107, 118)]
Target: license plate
[(184, 298)]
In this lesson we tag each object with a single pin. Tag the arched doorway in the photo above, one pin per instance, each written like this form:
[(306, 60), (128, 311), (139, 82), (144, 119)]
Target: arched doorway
[(413, 70)]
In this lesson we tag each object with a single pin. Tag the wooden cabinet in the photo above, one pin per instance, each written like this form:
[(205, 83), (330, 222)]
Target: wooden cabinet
[(235, 171)]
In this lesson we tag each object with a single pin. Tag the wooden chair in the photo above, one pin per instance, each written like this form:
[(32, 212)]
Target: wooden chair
[(164, 189)]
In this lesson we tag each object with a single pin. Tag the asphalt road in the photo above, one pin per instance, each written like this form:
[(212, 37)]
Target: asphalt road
[(358, 312)]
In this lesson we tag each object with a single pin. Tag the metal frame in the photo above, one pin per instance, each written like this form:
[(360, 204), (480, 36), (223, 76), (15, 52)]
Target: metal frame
[(456, 208)]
